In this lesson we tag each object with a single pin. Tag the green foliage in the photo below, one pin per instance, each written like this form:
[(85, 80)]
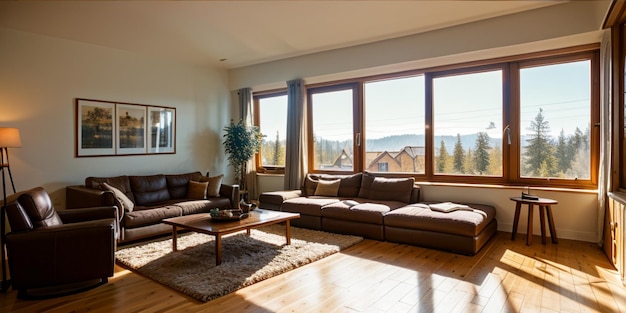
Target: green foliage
[(241, 142), (481, 155), (539, 147), (442, 160), (459, 156)]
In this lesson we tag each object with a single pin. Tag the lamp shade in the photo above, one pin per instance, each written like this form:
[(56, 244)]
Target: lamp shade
[(10, 137)]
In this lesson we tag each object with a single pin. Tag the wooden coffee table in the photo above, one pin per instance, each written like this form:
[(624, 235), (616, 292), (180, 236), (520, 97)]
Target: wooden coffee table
[(202, 223)]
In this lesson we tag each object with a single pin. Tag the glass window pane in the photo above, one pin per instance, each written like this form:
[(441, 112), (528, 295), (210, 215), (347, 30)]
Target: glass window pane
[(394, 125), (555, 109), (332, 130), (467, 118), (273, 126)]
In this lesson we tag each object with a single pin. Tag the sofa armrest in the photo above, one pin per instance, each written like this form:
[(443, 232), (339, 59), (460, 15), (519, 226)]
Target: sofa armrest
[(231, 192), (91, 214), (273, 200), (88, 214)]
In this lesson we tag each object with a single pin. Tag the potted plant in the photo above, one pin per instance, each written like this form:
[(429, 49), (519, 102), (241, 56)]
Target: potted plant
[(241, 143)]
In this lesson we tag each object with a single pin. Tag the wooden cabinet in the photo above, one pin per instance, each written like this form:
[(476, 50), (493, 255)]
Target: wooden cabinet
[(613, 224)]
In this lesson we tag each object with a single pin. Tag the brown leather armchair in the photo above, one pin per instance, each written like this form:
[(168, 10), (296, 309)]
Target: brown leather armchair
[(54, 253)]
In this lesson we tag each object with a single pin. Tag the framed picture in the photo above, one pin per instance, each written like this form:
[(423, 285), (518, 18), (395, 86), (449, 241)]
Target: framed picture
[(131, 128), (95, 128), (108, 128), (161, 130)]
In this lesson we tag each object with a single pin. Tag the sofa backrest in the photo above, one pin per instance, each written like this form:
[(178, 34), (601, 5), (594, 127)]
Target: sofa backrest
[(177, 184), (368, 186), (349, 185), (150, 189), (120, 182)]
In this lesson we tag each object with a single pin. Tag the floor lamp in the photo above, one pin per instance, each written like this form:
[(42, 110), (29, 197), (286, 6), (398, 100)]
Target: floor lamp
[(9, 138)]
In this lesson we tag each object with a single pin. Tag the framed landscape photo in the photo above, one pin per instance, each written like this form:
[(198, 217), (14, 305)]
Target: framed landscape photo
[(131, 128), (161, 130), (110, 128), (95, 128)]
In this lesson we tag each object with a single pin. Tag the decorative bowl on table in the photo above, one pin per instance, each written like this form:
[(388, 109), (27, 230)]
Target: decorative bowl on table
[(228, 215), (245, 206)]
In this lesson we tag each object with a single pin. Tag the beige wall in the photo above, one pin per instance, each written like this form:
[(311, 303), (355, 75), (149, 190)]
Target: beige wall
[(556, 26), (41, 76)]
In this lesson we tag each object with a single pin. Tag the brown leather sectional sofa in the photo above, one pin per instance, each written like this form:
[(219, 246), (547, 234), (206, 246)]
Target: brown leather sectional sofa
[(154, 198), (381, 208)]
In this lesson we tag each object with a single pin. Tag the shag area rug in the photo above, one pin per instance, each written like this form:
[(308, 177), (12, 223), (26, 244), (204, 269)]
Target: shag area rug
[(245, 259)]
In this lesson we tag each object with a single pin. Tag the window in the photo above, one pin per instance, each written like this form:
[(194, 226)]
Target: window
[(467, 119), (271, 116), (383, 167), (555, 116), (525, 120), (395, 119), (331, 146)]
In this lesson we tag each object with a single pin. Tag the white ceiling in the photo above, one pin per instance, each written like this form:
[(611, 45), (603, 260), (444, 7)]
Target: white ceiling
[(243, 32)]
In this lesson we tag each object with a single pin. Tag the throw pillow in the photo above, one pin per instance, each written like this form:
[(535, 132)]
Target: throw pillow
[(328, 188), (122, 200), (215, 183), (197, 190), (309, 185)]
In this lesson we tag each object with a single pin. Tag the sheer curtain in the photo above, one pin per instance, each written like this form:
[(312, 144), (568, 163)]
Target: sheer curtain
[(296, 150), (606, 122), (246, 114)]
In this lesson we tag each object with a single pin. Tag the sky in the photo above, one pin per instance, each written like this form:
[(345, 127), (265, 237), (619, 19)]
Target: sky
[(463, 104)]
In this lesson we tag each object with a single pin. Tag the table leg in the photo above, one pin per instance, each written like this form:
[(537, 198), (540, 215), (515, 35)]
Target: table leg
[(518, 207), (542, 220), (248, 231), (174, 239), (218, 249), (288, 232), (551, 225), (529, 232)]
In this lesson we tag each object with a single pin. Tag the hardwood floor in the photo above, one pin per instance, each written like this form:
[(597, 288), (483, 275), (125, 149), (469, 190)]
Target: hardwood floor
[(373, 276)]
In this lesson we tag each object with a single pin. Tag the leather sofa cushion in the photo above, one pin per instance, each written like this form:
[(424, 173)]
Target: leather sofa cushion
[(349, 185), (398, 189), (366, 185), (371, 213), (148, 190), (421, 217), (307, 205), (203, 206), (139, 218), (177, 183)]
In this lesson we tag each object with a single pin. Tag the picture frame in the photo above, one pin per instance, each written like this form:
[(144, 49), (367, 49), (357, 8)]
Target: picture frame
[(95, 128), (161, 130), (110, 128), (131, 129)]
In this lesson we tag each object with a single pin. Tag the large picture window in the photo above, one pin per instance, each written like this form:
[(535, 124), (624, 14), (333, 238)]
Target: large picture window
[(395, 125), (527, 120), (555, 116), (331, 135), (467, 119), (271, 117)]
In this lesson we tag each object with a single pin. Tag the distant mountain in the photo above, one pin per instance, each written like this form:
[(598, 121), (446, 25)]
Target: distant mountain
[(397, 142)]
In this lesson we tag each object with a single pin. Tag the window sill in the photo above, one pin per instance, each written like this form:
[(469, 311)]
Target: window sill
[(493, 186)]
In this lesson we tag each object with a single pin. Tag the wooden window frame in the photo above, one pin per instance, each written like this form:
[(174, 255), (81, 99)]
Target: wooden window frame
[(510, 66), (260, 168)]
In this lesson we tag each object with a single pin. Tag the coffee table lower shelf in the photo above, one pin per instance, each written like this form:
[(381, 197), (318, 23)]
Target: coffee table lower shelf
[(202, 223)]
